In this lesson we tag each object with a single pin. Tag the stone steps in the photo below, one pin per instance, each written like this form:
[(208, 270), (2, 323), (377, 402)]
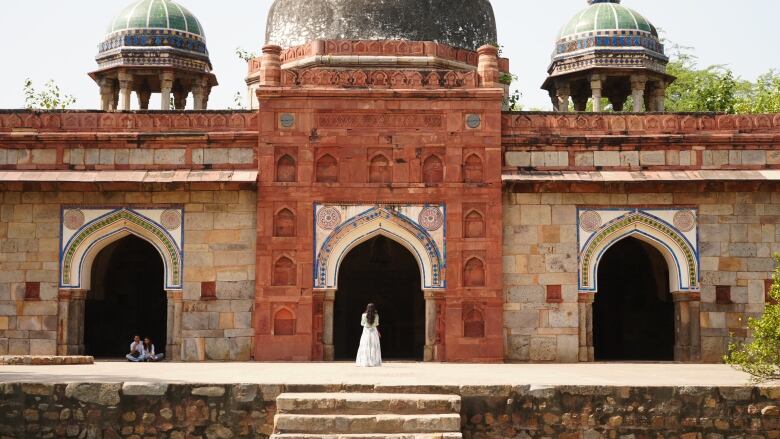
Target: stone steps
[(367, 416)]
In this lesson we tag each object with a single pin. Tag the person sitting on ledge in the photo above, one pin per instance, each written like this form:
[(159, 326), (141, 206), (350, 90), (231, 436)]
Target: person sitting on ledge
[(136, 350), (149, 354)]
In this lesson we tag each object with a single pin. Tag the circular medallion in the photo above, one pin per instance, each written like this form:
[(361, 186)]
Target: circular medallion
[(286, 120), (473, 121), (73, 219), (171, 219), (328, 218), (431, 218), (684, 220), (590, 221)]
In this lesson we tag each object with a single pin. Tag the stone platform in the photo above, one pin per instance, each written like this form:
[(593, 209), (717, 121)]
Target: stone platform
[(391, 374), (111, 400)]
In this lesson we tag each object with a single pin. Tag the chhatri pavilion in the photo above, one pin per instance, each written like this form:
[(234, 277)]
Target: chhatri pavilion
[(379, 163)]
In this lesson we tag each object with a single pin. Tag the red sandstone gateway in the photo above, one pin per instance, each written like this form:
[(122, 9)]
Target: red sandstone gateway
[(380, 168)]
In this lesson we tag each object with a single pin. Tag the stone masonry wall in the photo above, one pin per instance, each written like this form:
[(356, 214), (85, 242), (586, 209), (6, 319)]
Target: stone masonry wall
[(738, 230), (219, 251), (179, 411)]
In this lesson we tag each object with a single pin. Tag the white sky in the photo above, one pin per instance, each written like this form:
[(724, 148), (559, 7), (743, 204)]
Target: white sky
[(57, 39)]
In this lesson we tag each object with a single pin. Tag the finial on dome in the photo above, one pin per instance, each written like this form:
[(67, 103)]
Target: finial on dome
[(593, 2)]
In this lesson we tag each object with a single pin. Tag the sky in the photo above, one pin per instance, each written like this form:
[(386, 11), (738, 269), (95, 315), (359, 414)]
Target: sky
[(57, 39)]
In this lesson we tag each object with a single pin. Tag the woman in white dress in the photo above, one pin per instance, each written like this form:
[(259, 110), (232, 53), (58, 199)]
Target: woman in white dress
[(370, 351)]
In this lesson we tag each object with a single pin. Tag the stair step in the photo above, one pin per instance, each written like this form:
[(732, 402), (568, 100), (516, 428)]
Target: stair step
[(366, 403), (388, 423), (370, 436)]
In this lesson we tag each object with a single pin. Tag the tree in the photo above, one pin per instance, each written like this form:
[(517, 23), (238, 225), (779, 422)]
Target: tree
[(711, 89), (760, 357), (763, 96), (49, 98)]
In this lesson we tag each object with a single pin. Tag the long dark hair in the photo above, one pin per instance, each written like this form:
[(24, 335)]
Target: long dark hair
[(370, 313), (148, 347)]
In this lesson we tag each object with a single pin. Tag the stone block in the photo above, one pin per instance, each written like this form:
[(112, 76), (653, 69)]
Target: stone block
[(525, 294), (652, 158), (169, 156), (629, 158), (606, 158), (144, 389), (217, 349), (535, 215), (241, 348), (209, 391), (568, 348), (214, 156), (521, 320), (195, 320), (141, 156), (754, 157), (242, 320), (543, 348), (518, 347), (566, 316), (583, 159), (43, 347), (518, 159), (29, 323), (241, 156), (93, 393), (44, 156)]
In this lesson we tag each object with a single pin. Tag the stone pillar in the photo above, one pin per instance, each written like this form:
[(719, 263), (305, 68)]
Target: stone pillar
[(166, 86), (487, 68), (125, 90), (638, 83), (328, 303), (143, 99), (432, 301), (180, 99), (659, 97), (595, 91), (682, 326), (173, 343), (271, 66), (70, 322), (107, 94), (199, 88), (562, 93), (580, 102), (694, 312), (587, 352)]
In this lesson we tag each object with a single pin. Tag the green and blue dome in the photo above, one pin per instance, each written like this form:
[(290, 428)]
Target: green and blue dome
[(156, 14), (608, 24)]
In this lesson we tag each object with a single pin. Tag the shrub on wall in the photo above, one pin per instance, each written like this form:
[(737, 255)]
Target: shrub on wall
[(760, 357)]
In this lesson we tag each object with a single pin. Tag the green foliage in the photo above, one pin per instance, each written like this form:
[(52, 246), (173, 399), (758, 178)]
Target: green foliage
[(715, 88), (760, 357), (49, 98), (245, 54)]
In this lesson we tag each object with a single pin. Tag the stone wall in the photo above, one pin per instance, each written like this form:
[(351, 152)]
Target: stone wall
[(179, 411), (738, 234), (219, 259)]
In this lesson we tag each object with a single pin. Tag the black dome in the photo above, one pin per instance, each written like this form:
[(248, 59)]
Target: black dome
[(468, 24)]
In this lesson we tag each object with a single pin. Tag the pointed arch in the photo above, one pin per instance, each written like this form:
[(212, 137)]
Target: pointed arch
[(284, 321), (327, 170), (474, 225), (678, 252), (369, 224), (286, 170), (284, 272), (80, 251), (433, 170), (473, 171), (284, 224), (474, 273), (379, 170)]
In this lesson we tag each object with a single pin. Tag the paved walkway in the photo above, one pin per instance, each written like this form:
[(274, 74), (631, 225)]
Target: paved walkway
[(392, 374)]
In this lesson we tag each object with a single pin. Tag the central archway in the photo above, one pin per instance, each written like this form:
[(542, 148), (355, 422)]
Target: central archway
[(126, 298), (383, 272)]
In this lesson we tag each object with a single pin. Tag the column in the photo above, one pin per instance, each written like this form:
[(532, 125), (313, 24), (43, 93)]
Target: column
[(329, 300), (694, 311), (143, 99), (125, 89), (682, 326), (433, 298), (107, 94), (487, 67), (166, 86), (595, 91), (71, 324), (199, 94), (173, 336), (180, 99), (580, 102), (638, 83), (585, 301), (271, 66), (562, 92), (659, 97), (63, 315)]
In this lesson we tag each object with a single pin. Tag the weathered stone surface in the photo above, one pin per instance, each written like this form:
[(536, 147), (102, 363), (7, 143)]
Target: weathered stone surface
[(101, 394), (144, 389), (209, 391)]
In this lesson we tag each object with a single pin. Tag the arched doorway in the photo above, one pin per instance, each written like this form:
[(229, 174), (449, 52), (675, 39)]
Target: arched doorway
[(383, 272), (633, 312), (126, 298)]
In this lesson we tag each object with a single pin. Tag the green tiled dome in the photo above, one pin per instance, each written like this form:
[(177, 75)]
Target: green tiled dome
[(156, 14), (606, 15)]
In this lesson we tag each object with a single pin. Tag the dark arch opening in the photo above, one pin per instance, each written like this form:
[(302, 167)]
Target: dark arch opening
[(127, 298), (633, 314), (385, 273)]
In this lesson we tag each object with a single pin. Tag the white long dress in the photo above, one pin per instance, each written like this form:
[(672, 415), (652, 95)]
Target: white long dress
[(370, 351)]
